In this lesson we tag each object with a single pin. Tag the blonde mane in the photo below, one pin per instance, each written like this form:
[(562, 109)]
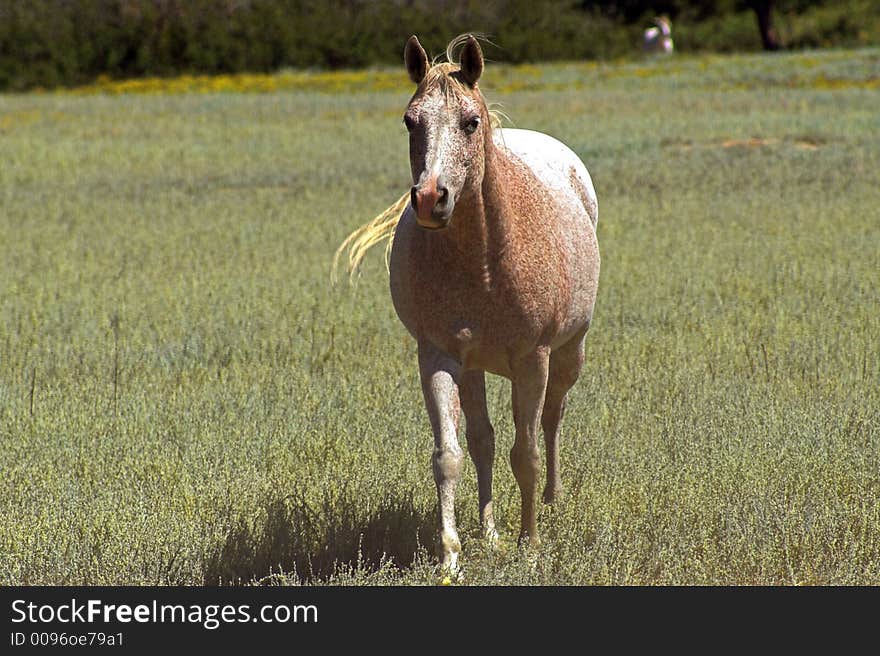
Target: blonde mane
[(359, 242)]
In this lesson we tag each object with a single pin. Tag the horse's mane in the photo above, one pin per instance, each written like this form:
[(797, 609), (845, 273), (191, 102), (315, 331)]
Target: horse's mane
[(442, 73)]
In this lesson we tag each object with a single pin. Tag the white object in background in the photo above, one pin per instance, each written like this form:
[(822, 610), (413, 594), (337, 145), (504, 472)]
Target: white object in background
[(658, 39)]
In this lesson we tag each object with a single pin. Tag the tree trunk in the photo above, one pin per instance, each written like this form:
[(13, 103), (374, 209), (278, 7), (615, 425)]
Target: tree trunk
[(764, 12)]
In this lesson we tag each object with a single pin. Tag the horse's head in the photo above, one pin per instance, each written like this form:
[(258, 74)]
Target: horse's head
[(448, 127)]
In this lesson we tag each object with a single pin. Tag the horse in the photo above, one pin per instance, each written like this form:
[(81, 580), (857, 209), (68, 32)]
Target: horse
[(494, 267), (658, 39)]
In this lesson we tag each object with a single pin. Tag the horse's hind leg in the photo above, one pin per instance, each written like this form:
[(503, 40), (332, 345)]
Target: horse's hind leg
[(565, 367), (439, 374), (481, 444), (529, 388)]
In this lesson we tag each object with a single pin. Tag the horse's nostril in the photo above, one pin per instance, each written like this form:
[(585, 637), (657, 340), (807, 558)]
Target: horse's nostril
[(430, 200)]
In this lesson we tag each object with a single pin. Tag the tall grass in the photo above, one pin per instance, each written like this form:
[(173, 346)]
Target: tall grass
[(184, 398)]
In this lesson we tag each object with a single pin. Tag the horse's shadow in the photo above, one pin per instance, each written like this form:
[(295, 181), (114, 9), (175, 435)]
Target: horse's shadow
[(315, 540)]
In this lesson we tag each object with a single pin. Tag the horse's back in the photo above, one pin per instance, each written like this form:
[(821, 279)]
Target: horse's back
[(554, 164)]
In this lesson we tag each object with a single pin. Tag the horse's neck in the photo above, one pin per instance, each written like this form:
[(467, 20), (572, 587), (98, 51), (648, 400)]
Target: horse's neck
[(484, 231), (498, 181)]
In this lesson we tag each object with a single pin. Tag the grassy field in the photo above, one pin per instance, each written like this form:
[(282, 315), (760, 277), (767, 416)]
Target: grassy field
[(185, 399)]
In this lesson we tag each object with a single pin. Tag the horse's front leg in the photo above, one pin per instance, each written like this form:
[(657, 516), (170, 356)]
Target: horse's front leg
[(529, 388), (440, 374)]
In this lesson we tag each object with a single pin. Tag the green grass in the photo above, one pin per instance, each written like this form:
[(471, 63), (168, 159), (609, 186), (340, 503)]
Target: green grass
[(184, 398)]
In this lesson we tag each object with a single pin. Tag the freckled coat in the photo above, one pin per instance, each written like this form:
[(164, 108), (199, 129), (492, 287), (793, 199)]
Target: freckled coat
[(494, 267), (517, 267)]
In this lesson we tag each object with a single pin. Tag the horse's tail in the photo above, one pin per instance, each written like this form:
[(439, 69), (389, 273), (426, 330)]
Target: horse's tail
[(368, 235)]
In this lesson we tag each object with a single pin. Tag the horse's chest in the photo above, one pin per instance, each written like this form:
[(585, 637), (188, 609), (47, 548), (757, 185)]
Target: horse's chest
[(481, 317)]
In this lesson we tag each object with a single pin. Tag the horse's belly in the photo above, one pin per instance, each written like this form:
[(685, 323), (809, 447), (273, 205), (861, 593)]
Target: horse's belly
[(583, 272)]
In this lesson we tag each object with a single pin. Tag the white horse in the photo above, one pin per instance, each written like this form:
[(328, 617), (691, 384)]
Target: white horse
[(494, 268), (658, 39)]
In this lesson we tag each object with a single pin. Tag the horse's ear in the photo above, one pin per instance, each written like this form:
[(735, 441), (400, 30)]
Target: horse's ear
[(416, 60), (471, 61)]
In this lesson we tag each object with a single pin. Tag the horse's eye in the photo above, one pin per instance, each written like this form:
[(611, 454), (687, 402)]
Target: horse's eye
[(408, 122), (471, 125)]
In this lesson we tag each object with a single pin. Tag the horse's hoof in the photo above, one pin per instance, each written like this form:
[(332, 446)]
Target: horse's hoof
[(447, 577), (450, 571), (450, 567), (491, 539)]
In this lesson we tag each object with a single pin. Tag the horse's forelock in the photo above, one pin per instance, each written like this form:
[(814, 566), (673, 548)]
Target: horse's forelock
[(446, 76)]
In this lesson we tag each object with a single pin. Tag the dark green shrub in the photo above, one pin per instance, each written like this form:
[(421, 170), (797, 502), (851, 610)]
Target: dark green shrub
[(46, 43)]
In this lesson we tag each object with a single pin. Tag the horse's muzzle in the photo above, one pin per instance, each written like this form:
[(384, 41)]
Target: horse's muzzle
[(432, 204)]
